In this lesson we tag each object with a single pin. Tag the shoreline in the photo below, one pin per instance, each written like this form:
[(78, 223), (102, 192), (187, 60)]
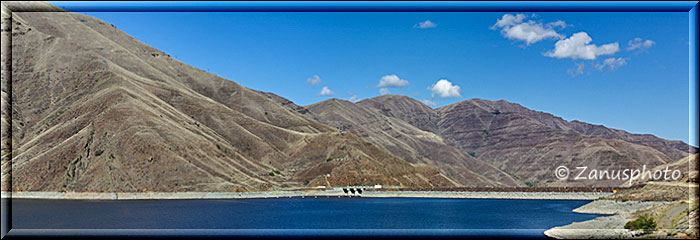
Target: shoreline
[(602, 227), (289, 194)]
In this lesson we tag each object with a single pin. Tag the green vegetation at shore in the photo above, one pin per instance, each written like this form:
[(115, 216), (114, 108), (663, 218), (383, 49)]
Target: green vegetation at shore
[(645, 222)]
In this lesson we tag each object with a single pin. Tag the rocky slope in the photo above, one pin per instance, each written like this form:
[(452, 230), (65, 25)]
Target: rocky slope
[(94, 109), (528, 144), (410, 143), (685, 188)]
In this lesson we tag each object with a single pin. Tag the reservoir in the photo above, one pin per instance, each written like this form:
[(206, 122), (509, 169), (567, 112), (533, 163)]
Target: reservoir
[(297, 216)]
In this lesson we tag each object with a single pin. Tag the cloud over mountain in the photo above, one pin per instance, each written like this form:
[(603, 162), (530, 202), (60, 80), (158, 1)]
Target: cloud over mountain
[(392, 81), (315, 80), (325, 91), (353, 97), (429, 102), (444, 89), (578, 46), (384, 91), (513, 27)]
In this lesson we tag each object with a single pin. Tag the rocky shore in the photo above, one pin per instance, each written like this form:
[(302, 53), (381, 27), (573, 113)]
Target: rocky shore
[(602, 227), (327, 193), (672, 205)]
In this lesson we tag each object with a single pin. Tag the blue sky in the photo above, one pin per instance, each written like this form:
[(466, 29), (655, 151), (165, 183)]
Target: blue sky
[(631, 75)]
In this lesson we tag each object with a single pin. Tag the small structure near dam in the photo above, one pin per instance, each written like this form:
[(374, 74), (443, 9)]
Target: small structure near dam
[(357, 190)]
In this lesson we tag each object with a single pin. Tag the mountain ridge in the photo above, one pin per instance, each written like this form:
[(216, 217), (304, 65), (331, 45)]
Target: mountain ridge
[(409, 143), (94, 109), (519, 140), (571, 124)]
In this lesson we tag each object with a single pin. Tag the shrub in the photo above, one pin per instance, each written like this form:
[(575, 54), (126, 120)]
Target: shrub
[(329, 159), (532, 183), (473, 154), (271, 173), (644, 222), (99, 152)]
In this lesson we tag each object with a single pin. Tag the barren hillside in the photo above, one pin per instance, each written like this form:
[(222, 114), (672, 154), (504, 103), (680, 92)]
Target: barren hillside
[(530, 145), (94, 109), (410, 143)]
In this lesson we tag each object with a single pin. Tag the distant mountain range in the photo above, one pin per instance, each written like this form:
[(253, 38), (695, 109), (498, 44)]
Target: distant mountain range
[(529, 145), (93, 109)]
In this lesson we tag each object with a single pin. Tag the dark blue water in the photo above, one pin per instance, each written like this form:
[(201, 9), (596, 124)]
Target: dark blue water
[(406, 216)]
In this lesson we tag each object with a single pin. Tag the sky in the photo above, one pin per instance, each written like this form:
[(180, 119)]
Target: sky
[(623, 70)]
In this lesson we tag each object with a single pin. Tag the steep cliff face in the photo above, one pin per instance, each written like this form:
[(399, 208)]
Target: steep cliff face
[(97, 110)]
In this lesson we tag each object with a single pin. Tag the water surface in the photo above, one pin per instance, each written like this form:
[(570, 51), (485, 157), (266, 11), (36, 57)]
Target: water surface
[(406, 216)]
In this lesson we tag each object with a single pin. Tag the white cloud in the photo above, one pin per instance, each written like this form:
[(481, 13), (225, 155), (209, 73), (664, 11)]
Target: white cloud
[(444, 89), (638, 43), (325, 91), (353, 97), (384, 91), (530, 32), (392, 81), (576, 71), (425, 24), (509, 20), (577, 46), (429, 102), (611, 63), (315, 80), (559, 23)]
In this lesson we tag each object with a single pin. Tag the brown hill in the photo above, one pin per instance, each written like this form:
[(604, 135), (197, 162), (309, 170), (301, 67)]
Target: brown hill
[(683, 189), (688, 167), (405, 108), (410, 143), (94, 109), (530, 144)]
